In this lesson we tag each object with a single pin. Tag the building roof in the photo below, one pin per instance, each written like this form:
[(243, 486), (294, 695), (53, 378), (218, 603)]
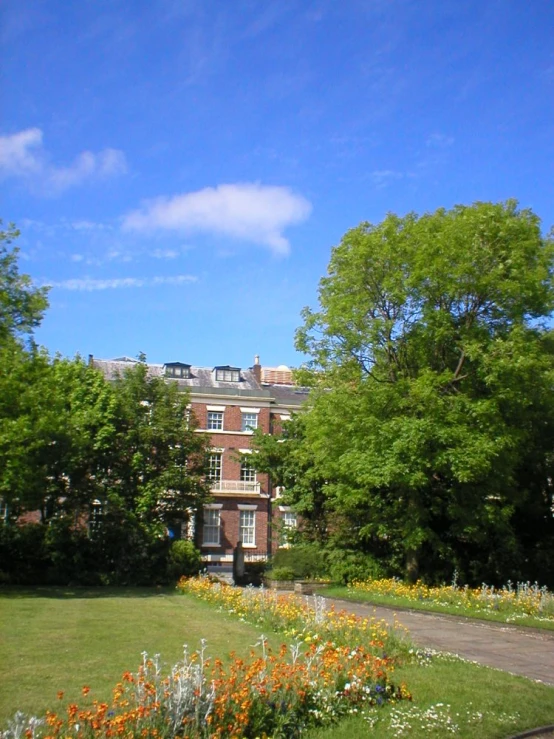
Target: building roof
[(200, 377), (202, 380), (289, 395)]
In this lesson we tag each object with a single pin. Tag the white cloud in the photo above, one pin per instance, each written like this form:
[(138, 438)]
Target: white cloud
[(23, 156), (89, 284), (17, 155), (249, 211)]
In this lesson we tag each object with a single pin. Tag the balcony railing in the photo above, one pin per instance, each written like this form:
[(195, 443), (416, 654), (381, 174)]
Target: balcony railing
[(234, 486)]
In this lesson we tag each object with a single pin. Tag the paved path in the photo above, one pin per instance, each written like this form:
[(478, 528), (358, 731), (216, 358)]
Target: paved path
[(527, 652)]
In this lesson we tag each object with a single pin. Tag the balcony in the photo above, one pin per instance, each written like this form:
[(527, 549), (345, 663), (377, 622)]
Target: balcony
[(235, 486)]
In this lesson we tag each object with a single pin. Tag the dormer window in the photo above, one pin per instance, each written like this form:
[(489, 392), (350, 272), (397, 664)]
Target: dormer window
[(178, 370), (227, 374)]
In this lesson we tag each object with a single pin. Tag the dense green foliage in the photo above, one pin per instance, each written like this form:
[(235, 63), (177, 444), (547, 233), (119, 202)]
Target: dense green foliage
[(184, 560), (429, 439), (108, 468), (304, 561), (21, 304)]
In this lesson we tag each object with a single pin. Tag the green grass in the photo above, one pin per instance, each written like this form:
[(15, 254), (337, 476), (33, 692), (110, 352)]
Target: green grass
[(62, 639), (508, 704), (358, 596)]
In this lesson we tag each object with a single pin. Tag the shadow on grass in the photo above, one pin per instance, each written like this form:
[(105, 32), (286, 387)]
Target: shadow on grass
[(40, 591)]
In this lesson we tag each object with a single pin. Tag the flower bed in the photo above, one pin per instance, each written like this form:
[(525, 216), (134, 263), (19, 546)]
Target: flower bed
[(271, 695), (519, 601), (308, 619)]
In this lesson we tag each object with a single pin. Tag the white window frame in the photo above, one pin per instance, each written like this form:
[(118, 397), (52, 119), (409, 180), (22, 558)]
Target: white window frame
[(213, 467), (215, 421), (247, 526), (287, 528), (212, 511), (247, 472), (290, 520), (249, 427), (178, 372), (227, 375), (96, 516)]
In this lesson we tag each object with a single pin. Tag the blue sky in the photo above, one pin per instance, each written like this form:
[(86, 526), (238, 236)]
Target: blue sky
[(180, 169)]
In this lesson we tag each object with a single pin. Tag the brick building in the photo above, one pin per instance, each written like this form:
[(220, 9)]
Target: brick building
[(229, 402)]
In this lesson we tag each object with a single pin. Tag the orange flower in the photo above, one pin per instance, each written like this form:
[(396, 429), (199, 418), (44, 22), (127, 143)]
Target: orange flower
[(60, 695), (86, 690)]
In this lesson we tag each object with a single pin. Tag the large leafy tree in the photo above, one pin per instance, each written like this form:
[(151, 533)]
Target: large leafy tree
[(22, 371), (432, 417), (58, 424), (289, 459), (160, 461)]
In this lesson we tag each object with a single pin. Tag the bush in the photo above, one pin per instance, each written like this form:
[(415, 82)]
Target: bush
[(23, 556), (348, 565), (280, 573), (184, 559), (70, 554), (306, 561)]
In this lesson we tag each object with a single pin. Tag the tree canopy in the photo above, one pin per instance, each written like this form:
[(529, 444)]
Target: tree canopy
[(109, 466), (432, 412), (21, 304)]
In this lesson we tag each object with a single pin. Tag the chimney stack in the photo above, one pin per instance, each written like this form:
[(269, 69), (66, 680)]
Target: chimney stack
[(257, 369)]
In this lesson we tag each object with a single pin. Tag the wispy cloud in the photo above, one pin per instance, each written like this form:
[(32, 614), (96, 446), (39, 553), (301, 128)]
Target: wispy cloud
[(383, 177), (439, 141), (164, 253), (249, 211), (23, 156), (88, 284)]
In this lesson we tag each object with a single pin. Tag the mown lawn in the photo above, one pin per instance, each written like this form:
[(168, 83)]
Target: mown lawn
[(482, 702), (56, 639), (62, 639)]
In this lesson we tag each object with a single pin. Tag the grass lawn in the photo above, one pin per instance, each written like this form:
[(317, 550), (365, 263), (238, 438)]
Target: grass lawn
[(358, 596), (64, 638), (484, 703)]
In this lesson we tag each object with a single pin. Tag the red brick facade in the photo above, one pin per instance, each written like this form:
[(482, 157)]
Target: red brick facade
[(226, 402)]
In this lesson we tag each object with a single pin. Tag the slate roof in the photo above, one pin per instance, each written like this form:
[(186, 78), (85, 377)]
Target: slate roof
[(288, 394), (202, 379)]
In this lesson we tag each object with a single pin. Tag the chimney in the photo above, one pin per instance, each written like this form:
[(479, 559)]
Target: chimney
[(90, 360), (257, 369)]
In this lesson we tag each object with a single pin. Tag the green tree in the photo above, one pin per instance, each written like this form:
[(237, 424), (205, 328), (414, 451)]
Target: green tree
[(290, 461), (21, 304), (160, 464), (432, 414), (58, 427)]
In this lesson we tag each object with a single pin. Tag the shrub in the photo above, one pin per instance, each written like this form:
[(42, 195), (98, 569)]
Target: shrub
[(23, 556), (345, 566), (184, 559), (306, 561), (70, 554), (281, 573)]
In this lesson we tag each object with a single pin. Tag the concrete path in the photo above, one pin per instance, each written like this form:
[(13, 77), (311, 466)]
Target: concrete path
[(527, 652)]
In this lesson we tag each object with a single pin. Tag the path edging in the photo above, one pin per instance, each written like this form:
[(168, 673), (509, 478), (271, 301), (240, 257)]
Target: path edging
[(533, 732)]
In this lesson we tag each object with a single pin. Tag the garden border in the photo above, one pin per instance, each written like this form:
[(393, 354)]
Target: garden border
[(539, 731)]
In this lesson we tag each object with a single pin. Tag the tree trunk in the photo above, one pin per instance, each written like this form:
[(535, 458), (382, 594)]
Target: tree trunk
[(412, 565)]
